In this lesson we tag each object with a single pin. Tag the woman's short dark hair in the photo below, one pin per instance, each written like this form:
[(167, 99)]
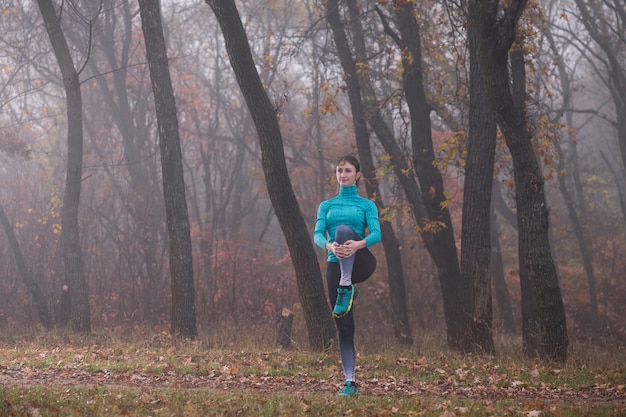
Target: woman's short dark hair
[(351, 160)]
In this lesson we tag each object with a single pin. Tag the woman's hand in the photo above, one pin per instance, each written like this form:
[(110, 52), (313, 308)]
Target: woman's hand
[(348, 249), (336, 249)]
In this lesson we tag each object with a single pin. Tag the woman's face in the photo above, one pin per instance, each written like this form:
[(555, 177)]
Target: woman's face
[(346, 174)]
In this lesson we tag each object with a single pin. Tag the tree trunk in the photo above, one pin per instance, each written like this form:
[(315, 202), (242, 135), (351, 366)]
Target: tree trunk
[(285, 321), (530, 312), (176, 213), (534, 245), (354, 82), (496, 268), (447, 266), (475, 229), (38, 298), (585, 253), (143, 207), (531, 332), (80, 319), (430, 179), (310, 286)]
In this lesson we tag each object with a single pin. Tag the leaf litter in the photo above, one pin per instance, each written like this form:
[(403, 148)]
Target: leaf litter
[(446, 383), (164, 364)]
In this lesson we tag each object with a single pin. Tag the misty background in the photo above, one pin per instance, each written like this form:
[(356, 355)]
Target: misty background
[(242, 269)]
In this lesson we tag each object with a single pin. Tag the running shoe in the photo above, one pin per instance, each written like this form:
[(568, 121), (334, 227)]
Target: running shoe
[(343, 305), (349, 390)]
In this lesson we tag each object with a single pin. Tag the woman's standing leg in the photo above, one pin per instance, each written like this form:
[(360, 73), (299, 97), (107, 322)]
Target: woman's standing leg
[(345, 331), (359, 267)]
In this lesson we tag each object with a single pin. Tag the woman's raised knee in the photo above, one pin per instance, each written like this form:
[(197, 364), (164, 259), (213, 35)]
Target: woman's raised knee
[(344, 233)]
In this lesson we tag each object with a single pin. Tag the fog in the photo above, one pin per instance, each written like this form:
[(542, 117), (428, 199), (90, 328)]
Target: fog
[(243, 273)]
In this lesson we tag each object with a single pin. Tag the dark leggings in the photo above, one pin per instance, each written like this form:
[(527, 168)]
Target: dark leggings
[(364, 266)]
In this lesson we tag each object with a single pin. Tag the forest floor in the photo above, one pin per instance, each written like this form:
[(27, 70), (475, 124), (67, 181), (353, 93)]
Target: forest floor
[(29, 376), (158, 377)]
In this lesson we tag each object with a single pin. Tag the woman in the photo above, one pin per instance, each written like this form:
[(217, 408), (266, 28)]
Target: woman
[(340, 229)]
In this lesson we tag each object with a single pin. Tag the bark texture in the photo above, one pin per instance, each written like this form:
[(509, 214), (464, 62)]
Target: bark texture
[(498, 30), (438, 223), (475, 228), (321, 328), (80, 315), (183, 315)]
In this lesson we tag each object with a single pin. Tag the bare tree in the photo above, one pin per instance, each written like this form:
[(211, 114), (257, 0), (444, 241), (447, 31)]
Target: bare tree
[(356, 81), (311, 290), (444, 251), (566, 159), (33, 286), (115, 40), (427, 200), (176, 213), (605, 21), (80, 319)]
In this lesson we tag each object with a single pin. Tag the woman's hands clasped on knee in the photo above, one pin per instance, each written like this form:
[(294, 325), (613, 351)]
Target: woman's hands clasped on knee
[(347, 249)]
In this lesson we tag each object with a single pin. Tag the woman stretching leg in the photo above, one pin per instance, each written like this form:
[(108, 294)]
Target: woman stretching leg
[(340, 229), (361, 266)]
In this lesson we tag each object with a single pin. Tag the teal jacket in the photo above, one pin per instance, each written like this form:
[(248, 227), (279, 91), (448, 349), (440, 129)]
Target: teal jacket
[(350, 209)]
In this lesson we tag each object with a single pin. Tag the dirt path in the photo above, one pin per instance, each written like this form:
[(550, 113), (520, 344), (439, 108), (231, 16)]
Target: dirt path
[(27, 376)]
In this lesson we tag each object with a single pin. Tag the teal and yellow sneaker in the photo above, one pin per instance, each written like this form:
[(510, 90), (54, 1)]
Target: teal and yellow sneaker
[(343, 305), (349, 390)]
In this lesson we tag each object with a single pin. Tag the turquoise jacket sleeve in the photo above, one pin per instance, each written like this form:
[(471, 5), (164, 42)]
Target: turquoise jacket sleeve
[(320, 236), (373, 225)]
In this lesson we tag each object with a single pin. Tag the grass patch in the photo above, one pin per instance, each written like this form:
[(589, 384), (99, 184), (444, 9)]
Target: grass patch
[(103, 402), (146, 374)]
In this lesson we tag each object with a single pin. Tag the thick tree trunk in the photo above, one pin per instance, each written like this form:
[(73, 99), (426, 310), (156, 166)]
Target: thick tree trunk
[(310, 287), (534, 246), (531, 332), (80, 319), (35, 291), (475, 234), (177, 217)]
